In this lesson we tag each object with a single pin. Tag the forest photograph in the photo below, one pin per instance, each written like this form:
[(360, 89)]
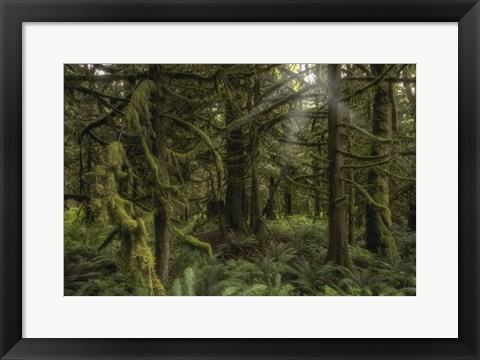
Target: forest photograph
[(239, 179)]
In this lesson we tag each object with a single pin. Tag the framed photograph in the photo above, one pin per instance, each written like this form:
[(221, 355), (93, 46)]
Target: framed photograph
[(239, 179)]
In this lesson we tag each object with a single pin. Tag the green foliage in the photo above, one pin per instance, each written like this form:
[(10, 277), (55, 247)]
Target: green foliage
[(135, 257), (280, 270), (88, 273), (243, 270), (306, 278), (282, 252), (271, 288), (185, 285), (174, 139), (239, 246), (307, 237)]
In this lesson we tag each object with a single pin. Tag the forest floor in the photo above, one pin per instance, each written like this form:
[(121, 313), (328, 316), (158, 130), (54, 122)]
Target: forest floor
[(293, 263)]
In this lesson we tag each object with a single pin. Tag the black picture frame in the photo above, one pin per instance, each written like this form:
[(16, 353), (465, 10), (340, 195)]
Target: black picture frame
[(15, 12)]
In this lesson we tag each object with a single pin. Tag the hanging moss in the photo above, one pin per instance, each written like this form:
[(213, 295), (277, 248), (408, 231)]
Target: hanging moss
[(114, 156), (141, 97), (120, 210), (141, 261), (133, 119), (136, 258), (194, 242)]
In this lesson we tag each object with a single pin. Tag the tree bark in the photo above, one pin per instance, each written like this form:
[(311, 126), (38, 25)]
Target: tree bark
[(337, 245), (256, 222), (268, 211), (379, 237), (235, 194), (161, 213), (351, 196), (162, 245)]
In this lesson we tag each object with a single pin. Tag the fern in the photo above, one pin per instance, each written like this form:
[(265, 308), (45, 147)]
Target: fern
[(278, 289), (184, 286), (282, 252), (306, 278)]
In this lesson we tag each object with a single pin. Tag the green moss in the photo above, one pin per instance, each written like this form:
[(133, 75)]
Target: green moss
[(135, 257), (379, 219), (194, 242), (216, 156), (141, 97), (121, 212), (139, 106), (114, 156), (133, 119)]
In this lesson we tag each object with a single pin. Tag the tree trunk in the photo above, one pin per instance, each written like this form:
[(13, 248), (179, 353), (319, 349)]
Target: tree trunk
[(235, 194), (317, 199), (351, 212), (379, 237), (288, 200), (337, 245), (162, 245), (351, 196), (268, 211), (161, 214), (256, 222)]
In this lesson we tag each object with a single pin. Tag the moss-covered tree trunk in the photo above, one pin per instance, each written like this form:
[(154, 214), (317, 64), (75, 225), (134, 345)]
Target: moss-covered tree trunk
[(337, 243), (256, 221), (317, 200), (235, 160), (379, 237), (317, 165), (317, 171), (161, 208), (351, 212), (351, 196)]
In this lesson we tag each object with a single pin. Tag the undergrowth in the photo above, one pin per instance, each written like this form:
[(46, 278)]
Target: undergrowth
[(293, 263)]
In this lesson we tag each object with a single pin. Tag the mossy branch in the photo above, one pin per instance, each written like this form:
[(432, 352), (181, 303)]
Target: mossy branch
[(369, 85), (299, 143), (359, 166), (193, 76), (362, 157), (193, 241), (206, 139), (188, 155), (389, 79), (367, 196), (366, 133), (340, 199), (246, 119), (318, 157), (395, 175), (310, 187), (85, 90), (196, 102), (106, 77)]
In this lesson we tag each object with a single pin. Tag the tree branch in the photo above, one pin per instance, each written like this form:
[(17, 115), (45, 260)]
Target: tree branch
[(366, 133), (369, 85)]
